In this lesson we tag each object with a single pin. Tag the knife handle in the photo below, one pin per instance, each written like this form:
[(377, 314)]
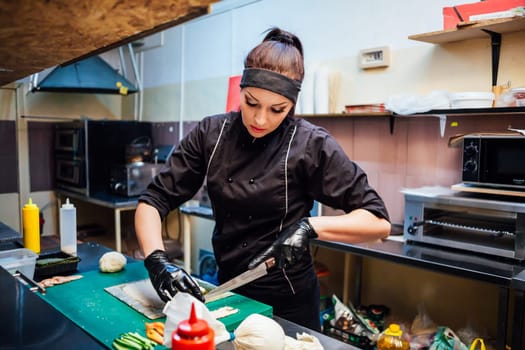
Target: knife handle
[(269, 263)]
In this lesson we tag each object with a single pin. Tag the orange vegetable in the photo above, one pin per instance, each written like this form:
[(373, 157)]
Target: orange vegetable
[(155, 331)]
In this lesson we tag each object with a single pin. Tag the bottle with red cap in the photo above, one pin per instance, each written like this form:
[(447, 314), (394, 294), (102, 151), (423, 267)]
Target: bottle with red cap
[(193, 334)]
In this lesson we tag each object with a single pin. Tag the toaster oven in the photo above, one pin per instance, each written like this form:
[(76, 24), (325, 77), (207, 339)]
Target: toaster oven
[(132, 179), (486, 224)]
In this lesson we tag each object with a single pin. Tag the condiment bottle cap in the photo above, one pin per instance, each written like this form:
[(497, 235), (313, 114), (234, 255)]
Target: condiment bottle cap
[(30, 204), (394, 330), (193, 327)]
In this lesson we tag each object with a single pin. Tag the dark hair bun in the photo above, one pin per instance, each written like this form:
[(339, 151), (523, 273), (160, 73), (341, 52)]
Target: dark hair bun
[(282, 36)]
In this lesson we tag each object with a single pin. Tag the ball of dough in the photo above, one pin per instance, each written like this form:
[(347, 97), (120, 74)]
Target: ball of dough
[(112, 262), (258, 332)]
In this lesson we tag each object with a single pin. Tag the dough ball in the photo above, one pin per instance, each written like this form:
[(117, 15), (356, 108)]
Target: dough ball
[(258, 332), (112, 262)]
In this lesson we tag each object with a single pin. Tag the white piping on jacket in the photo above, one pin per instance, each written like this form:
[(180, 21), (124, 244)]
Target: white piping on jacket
[(216, 145), (286, 198)]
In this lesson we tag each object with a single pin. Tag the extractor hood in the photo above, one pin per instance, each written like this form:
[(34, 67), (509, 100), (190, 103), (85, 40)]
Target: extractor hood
[(90, 75)]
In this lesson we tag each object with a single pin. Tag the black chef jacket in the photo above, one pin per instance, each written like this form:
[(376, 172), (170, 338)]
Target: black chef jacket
[(259, 186)]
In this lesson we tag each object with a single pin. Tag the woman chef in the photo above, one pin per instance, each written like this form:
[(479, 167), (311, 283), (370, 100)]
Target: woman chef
[(264, 169)]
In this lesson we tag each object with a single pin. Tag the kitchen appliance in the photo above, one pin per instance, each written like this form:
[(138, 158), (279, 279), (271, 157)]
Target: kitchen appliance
[(86, 150), (70, 156), (138, 150), (131, 180), (90, 75), (486, 224), (494, 161)]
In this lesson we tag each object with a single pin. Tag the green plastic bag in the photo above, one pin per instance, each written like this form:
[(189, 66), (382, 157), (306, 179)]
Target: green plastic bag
[(446, 339)]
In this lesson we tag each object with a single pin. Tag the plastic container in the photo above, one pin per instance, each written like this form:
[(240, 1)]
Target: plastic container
[(55, 263), (519, 96), (471, 99), (193, 334), (31, 229), (392, 339), (68, 228), (21, 259)]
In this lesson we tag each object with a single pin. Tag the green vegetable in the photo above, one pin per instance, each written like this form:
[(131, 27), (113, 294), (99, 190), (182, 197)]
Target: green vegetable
[(127, 344), (133, 341), (117, 346)]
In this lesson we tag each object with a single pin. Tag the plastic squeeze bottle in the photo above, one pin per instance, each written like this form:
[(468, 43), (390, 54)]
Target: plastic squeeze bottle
[(31, 229), (392, 339), (193, 334), (68, 228)]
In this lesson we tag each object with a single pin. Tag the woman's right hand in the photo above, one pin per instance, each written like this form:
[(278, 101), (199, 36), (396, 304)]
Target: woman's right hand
[(168, 278)]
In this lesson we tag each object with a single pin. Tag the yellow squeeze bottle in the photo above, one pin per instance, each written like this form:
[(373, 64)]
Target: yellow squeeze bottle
[(31, 223)]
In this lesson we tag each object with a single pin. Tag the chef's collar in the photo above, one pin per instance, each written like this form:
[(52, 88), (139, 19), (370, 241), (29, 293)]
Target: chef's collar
[(246, 139), (272, 81)]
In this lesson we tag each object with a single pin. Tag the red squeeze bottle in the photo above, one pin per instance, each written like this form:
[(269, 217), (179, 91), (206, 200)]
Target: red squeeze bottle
[(193, 334)]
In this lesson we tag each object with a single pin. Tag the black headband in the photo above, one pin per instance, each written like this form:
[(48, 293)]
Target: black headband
[(268, 80)]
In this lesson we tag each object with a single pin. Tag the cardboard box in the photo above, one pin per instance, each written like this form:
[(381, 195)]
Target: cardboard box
[(461, 13), (233, 99)]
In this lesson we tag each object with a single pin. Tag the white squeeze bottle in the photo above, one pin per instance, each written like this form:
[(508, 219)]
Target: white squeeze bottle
[(68, 228)]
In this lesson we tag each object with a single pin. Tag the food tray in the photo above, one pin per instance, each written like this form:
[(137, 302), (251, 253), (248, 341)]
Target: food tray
[(55, 263)]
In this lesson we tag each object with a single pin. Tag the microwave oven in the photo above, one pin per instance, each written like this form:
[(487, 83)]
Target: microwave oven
[(494, 161), (70, 138)]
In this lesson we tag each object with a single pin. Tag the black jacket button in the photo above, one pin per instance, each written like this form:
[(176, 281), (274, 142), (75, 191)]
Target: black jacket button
[(244, 244), (252, 181), (230, 180)]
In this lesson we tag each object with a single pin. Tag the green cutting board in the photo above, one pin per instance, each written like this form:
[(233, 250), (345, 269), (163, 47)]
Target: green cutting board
[(105, 317)]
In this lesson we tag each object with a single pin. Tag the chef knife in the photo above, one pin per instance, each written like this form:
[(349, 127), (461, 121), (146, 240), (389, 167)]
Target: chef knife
[(240, 280)]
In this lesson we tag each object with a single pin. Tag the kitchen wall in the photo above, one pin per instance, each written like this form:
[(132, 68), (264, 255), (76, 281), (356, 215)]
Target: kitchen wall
[(194, 63), (22, 178)]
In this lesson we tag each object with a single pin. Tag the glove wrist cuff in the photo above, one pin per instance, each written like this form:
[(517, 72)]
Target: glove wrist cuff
[(311, 230), (154, 257)]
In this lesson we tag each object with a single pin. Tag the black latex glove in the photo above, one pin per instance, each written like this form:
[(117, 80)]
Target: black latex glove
[(289, 247), (168, 279)]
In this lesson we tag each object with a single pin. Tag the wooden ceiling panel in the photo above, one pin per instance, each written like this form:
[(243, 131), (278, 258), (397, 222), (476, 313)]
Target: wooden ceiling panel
[(38, 34)]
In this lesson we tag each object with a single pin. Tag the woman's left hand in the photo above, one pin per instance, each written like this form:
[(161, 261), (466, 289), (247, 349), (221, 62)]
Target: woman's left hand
[(289, 247)]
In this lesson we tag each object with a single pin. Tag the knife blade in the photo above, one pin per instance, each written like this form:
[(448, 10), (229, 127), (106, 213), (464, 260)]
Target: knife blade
[(240, 280)]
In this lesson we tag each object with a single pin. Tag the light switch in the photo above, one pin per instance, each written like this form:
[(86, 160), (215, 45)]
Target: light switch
[(375, 57)]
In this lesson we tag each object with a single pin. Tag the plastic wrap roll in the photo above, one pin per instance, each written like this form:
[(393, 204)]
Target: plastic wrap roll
[(306, 96)]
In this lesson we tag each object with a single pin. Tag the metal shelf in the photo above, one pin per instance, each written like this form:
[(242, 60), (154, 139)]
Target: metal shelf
[(441, 114), (474, 30)]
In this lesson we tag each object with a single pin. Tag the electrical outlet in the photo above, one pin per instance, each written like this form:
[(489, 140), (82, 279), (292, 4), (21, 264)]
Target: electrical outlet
[(375, 57)]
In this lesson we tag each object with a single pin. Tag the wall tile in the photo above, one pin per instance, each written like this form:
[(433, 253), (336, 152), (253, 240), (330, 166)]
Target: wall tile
[(41, 156), (8, 157)]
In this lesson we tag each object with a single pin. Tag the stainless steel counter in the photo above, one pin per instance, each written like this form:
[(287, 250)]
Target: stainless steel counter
[(504, 273)]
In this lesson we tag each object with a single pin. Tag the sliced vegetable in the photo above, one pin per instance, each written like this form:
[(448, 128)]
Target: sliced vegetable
[(127, 344), (155, 331), (133, 341)]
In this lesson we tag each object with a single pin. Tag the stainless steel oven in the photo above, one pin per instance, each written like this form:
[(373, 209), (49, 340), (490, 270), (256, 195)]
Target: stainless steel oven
[(70, 138), (71, 157), (71, 174)]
